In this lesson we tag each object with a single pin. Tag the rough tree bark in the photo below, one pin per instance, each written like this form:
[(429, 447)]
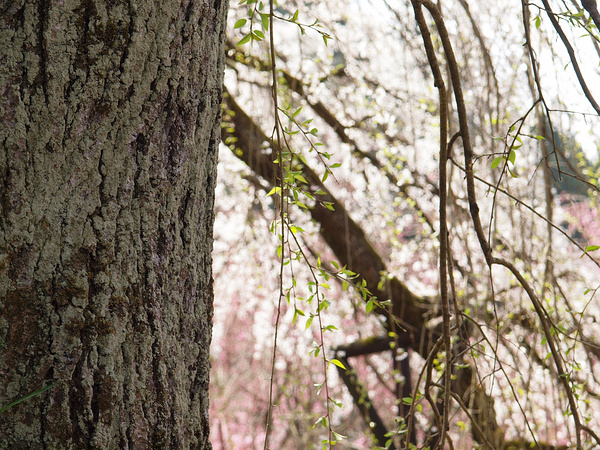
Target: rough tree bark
[(109, 130)]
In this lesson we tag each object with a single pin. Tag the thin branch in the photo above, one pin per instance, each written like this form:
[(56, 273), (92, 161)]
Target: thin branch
[(571, 52)]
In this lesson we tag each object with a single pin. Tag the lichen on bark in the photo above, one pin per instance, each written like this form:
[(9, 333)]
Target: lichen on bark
[(109, 128)]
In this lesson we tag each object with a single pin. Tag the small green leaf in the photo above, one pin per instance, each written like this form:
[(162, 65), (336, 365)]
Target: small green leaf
[(497, 160), (369, 306), (512, 156), (264, 18), (301, 178), (244, 40), (338, 363), (258, 35), (309, 323), (240, 23), (538, 21), (338, 436), (591, 248)]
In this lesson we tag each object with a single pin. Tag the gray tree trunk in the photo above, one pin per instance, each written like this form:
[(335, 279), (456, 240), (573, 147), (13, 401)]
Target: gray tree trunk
[(109, 129)]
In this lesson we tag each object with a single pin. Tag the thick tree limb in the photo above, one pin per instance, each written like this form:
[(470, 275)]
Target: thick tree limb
[(592, 8), (363, 403)]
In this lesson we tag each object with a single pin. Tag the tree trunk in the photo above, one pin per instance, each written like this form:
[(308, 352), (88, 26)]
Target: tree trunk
[(109, 130)]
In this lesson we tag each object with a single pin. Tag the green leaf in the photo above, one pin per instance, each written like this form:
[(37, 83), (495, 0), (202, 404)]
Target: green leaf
[(497, 160), (538, 22), (591, 248), (338, 363), (338, 436), (258, 35), (301, 178), (275, 190), (369, 306), (244, 40), (240, 23), (512, 156), (309, 323), (264, 18)]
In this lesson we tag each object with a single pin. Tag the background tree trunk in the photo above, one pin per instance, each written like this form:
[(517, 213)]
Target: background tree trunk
[(110, 123)]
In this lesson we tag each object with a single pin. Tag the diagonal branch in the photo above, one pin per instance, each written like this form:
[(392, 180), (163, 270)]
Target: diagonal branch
[(351, 247), (363, 403), (570, 50)]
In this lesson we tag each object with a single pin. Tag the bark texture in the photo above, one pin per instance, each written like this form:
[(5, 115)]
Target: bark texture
[(109, 130)]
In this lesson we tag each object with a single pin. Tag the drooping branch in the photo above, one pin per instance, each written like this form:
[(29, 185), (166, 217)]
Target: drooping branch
[(299, 87), (443, 156), (251, 145), (570, 50), (343, 235)]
